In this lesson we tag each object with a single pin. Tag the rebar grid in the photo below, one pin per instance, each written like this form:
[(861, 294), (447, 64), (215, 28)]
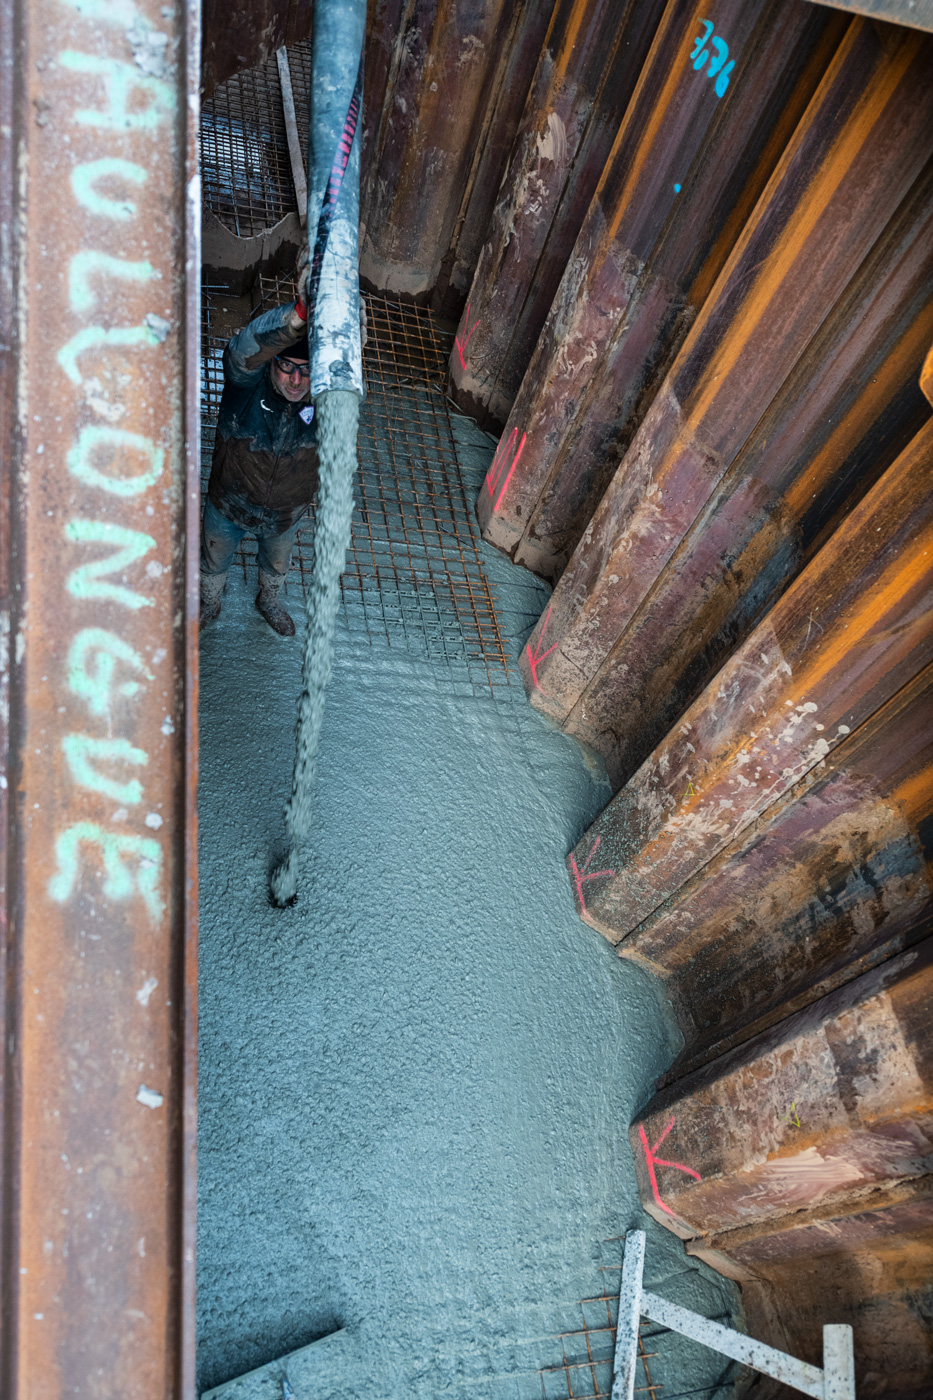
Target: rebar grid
[(592, 1374), (414, 575), (245, 167)]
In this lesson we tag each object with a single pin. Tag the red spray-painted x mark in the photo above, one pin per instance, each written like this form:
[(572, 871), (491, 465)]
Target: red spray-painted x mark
[(581, 876), (652, 1161), (461, 345), (494, 475), (536, 657)]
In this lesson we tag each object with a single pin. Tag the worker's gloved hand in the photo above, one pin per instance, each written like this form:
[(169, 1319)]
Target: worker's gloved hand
[(363, 335), (302, 276)]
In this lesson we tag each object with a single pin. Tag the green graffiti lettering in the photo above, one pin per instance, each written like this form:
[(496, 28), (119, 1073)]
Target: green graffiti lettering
[(81, 749), (131, 545), (87, 263), (92, 438), (92, 336), (120, 880), (120, 81), (85, 177), (92, 660)]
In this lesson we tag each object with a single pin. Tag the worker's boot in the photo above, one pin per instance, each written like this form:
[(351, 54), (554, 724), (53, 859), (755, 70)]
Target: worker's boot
[(212, 587), (267, 601)]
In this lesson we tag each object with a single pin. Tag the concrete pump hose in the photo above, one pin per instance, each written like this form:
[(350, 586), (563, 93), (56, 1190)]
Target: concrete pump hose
[(335, 354)]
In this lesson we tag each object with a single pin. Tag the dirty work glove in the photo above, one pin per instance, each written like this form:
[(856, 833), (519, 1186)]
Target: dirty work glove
[(299, 314), (363, 336)]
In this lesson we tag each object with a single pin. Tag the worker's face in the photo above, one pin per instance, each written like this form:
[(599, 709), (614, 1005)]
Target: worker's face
[(291, 377)]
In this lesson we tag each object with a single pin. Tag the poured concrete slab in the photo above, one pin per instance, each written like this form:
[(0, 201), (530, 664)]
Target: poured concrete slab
[(415, 1085)]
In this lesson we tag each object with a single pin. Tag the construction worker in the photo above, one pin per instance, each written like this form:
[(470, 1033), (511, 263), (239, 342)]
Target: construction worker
[(264, 471)]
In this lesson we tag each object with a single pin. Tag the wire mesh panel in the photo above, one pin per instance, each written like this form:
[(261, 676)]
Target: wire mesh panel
[(586, 1369), (245, 167), (414, 576)]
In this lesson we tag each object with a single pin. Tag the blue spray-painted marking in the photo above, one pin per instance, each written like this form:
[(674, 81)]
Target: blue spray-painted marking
[(677, 189), (717, 51)]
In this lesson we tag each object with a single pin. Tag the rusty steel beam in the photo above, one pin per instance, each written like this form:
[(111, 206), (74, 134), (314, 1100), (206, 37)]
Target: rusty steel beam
[(838, 879), (588, 69), (382, 55), (102, 459), (800, 1162), (441, 70), (862, 143), (853, 629), (851, 404), (243, 35), (733, 1122), (684, 173), (518, 59)]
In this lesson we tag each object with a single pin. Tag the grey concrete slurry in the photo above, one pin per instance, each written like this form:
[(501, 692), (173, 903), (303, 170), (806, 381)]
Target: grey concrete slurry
[(415, 1084)]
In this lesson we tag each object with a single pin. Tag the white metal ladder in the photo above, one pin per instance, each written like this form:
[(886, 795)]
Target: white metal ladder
[(836, 1381)]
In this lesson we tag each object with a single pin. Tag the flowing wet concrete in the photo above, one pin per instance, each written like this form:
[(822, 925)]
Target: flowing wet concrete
[(415, 1084)]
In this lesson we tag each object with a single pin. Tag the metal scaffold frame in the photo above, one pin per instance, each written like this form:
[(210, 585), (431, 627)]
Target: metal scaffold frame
[(836, 1380)]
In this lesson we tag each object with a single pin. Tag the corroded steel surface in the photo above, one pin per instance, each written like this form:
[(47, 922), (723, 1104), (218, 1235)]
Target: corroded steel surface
[(836, 878), (861, 145), (241, 35), (442, 65), (751, 1160), (683, 176), (518, 59), (98, 1147), (850, 405), (809, 1146), (853, 629), (591, 60)]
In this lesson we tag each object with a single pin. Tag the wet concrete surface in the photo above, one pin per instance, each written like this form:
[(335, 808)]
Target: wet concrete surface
[(415, 1084)]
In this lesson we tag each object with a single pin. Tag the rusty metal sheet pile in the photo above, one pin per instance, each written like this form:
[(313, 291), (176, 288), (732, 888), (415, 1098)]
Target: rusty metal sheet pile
[(810, 1145), (684, 173), (99, 1018), (864, 140), (853, 629), (836, 879), (850, 405), (243, 35), (441, 67), (591, 60)]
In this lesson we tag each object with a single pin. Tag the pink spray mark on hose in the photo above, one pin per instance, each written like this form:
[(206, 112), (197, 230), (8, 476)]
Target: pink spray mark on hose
[(653, 1161), (581, 876), (536, 657)]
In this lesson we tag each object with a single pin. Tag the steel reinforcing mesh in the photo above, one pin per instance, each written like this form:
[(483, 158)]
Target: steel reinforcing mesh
[(414, 575)]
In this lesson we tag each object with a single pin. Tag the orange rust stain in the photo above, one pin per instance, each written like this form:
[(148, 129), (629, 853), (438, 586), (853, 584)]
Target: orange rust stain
[(883, 597), (792, 111), (915, 794), (656, 121), (568, 42), (793, 243), (856, 422), (926, 376)]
